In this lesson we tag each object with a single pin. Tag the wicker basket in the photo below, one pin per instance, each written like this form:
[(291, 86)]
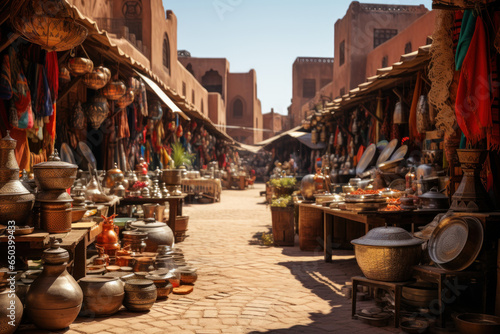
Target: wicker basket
[(283, 226)]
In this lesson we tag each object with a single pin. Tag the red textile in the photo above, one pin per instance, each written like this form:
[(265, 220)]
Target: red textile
[(52, 67), (473, 105), (51, 126)]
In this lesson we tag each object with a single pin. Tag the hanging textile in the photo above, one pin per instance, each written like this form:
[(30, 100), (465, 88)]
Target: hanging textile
[(414, 134), (473, 105), (20, 114), (52, 72), (494, 135), (5, 79), (464, 40)]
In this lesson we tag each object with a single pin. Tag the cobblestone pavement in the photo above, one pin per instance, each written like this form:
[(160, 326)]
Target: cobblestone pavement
[(244, 287)]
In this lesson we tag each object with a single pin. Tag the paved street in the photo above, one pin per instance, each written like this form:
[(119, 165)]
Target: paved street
[(244, 287)]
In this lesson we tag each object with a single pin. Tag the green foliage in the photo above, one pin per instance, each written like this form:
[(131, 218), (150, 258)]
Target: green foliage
[(284, 182), (267, 239), (282, 202), (180, 156)]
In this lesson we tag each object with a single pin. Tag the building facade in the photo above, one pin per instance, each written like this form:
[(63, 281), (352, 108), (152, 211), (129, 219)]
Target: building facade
[(363, 28), (309, 76), (274, 123), (237, 92)]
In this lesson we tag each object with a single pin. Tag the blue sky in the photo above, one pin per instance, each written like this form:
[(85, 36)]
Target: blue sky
[(266, 35)]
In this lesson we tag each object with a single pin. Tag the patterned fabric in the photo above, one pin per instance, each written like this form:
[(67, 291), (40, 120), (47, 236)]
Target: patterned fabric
[(466, 33), (414, 134), (494, 135), (21, 115)]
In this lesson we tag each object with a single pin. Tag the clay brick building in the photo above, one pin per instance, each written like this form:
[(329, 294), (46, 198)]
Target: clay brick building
[(363, 28), (274, 124), (238, 93), (309, 75)]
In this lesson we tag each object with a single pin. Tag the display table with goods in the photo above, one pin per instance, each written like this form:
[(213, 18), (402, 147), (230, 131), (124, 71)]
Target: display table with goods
[(204, 187)]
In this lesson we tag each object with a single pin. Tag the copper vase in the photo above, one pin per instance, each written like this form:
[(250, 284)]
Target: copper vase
[(471, 196), (108, 239), (54, 299)]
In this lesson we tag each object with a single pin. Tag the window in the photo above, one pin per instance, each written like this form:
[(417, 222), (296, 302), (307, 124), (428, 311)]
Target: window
[(382, 35), (202, 109), (183, 89), (408, 47), (342, 91), (212, 81), (308, 88), (341, 53), (166, 53), (192, 96), (385, 61), (237, 108)]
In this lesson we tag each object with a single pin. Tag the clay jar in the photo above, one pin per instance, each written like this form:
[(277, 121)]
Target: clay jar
[(158, 233), (140, 295), (5, 303), (55, 298), (163, 285), (102, 296)]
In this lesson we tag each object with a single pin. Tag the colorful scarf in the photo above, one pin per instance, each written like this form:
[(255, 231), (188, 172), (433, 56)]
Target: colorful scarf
[(414, 134), (5, 79), (473, 104), (466, 34)]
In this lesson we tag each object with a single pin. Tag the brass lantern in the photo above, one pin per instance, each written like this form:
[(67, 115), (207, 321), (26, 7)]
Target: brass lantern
[(314, 136)]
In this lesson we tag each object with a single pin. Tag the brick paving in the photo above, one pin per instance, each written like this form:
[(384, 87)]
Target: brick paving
[(244, 287)]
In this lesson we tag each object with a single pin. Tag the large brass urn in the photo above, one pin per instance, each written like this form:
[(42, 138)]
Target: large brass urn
[(55, 298), (16, 201)]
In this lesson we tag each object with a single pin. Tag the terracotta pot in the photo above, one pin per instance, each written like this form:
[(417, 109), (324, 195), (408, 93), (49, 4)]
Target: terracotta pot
[(102, 296), (55, 298), (140, 295), (17, 310)]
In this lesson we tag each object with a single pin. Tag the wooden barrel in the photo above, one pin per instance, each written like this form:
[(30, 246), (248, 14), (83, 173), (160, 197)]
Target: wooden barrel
[(311, 234), (283, 226)]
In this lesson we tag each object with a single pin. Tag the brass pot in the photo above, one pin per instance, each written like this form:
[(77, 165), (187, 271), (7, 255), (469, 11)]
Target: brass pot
[(163, 285), (143, 264), (136, 240), (114, 90), (102, 296), (6, 300), (158, 233), (114, 175), (387, 254), (55, 217), (171, 176), (54, 173), (80, 66), (140, 295), (54, 299)]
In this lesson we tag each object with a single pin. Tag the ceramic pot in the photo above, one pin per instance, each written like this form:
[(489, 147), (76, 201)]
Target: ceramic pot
[(158, 233), (102, 296), (140, 295), (16, 201), (55, 298), (7, 309), (163, 285)]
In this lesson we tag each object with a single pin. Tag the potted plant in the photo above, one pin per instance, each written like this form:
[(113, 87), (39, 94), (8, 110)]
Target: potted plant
[(284, 186), (282, 214)]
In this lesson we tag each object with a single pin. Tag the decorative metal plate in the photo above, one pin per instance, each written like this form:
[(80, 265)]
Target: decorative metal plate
[(386, 153), (366, 158), (448, 240)]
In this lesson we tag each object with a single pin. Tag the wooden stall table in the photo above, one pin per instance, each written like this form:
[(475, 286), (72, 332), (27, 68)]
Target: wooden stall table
[(397, 287), (75, 242), (338, 221), (210, 188), (174, 202)]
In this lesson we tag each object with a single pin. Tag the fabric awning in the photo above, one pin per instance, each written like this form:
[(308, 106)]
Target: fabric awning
[(161, 94), (306, 140), (249, 148)]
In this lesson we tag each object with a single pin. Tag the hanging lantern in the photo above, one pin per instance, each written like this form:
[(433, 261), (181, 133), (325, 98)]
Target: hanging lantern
[(48, 23), (126, 99), (95, 80), (114, 90), (64, 75), (105, 71), (80, 66), (78, 117), (97, 111), (155, 110), (135, 85), (314, 136)]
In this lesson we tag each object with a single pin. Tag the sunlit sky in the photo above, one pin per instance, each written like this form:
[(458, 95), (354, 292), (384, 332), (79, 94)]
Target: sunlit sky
[(266, 35)]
